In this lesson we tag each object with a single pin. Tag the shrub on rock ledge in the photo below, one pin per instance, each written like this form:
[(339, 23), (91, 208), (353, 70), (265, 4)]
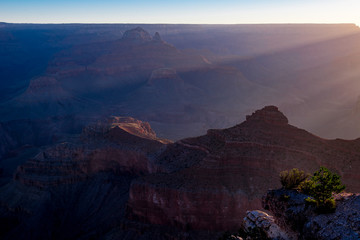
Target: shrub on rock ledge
[(320, 187), (291, 179)]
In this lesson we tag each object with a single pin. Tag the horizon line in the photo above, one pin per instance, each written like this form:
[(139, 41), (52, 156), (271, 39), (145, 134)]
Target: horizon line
[(158, 23)]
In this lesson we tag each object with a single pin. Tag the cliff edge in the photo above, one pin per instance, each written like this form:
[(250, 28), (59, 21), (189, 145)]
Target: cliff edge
[(291, 218)]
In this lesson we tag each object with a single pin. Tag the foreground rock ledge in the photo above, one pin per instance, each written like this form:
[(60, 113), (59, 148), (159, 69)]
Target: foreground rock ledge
[(291, 218)]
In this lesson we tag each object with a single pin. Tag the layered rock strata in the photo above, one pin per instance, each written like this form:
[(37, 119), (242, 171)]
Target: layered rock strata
[(117, 144), (212, 180)]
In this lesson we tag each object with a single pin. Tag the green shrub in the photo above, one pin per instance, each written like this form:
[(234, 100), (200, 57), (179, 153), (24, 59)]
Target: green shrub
[(291, 179), (321, 187), (329, 205), (310, 201), (306, 186)]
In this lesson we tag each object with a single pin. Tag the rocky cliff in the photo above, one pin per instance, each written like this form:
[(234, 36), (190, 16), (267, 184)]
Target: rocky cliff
[(137, 34), (117, 144), (291, 218), (193, 186), (80, 187), (212, 180)]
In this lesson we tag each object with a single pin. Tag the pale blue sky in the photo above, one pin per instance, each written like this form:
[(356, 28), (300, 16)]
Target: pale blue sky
[(176, 11)]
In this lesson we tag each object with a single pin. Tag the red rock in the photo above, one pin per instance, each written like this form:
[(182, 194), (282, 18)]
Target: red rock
[(118, 144), (212, 180)]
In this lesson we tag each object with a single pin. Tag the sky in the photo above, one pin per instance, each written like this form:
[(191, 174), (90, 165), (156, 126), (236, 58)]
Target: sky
[(180, 11)]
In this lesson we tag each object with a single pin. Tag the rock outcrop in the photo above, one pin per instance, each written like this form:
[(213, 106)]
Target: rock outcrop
[(261, 221), (214, 179), (117, 144), (300, 221), (128, 124), (202, 184), (268, 115), (80, 187), (157, 37), (137, 35)]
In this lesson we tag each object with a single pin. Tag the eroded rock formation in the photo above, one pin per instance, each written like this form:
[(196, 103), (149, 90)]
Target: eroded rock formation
[(196, 185), (80, 187), (137, 34), (214, 179), (117, 144)]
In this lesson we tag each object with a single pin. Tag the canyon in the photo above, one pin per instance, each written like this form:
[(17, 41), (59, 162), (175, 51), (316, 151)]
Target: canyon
[(117, 178), (73, 71), (156, 131)]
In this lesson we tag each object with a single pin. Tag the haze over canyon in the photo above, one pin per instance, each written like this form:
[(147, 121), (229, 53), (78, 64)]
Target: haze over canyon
[(158, 131)]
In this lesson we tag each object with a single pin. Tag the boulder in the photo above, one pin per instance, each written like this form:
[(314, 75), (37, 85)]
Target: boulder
[(260, 220)]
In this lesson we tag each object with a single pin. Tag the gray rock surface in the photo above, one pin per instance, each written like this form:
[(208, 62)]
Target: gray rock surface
[(261, 220), (291, 214)]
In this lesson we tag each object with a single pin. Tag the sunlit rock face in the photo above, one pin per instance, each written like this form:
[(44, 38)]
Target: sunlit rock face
[(212, 180)]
